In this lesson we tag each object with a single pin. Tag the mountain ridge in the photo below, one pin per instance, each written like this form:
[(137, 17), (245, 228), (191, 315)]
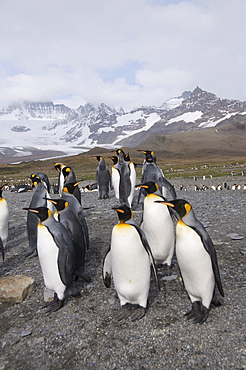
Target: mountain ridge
[(56, 127)]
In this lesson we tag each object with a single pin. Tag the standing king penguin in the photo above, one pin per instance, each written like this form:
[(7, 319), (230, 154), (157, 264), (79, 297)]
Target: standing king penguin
[(69, 176), (197, 261), (66, 216), (151, 172), (127, 178), (59, 166), (115, 176), (55, 252), (129, 261), (4, 221), (103, 178), (157, 224), (77, 209), (38, 200)]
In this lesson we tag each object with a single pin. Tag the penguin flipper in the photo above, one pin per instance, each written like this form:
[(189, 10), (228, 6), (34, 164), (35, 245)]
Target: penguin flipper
[(164, 182), (2, 247), (107, 269), (66, 263), (148, 250), (209, 246)]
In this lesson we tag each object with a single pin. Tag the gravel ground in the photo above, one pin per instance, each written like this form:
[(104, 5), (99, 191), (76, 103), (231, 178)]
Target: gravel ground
[(84, 334)]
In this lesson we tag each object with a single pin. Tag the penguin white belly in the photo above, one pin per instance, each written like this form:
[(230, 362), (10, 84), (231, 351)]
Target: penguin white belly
[(116, 182), (48, 257), (130, 265), (195, 265), (133, 183), (159, 229), (4, 220)]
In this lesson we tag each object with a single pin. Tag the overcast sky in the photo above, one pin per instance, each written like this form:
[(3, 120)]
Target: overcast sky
[(125, 53)]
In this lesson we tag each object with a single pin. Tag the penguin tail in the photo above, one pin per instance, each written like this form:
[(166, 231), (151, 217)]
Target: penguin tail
[(2, 248), (216, 300)]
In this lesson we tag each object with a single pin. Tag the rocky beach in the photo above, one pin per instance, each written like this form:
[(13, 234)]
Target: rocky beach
[(85, 334)]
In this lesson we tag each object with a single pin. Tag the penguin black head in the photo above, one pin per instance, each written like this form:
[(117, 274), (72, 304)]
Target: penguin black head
[(119, 151), (66, 170), (149, 156), (124, 213), (150, 187), (69, 188), (2, 187), (114, 159), (43, 213), (181, 206), (59, 203), (35, 180), (58, 166), (98, 157), (127, 157)]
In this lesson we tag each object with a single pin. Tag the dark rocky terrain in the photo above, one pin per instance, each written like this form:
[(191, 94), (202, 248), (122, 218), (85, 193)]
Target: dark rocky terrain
[(84, 334)]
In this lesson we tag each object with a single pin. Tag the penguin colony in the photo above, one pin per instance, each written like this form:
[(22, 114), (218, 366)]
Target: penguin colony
[(58, 233)]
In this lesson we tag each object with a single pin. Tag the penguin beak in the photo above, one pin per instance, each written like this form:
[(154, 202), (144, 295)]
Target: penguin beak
[(78, 182), (119, 210), (31, 210), (50, 200), (141, 186), (166, 203)]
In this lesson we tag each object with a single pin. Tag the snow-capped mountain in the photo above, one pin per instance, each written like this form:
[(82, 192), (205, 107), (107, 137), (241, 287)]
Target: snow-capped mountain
[(51, 126)]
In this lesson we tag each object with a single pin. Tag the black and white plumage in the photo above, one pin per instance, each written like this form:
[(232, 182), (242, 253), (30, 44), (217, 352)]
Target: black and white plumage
[(197, 261), (38, 200), (158, 226), (129, 261), (127, 178), (151, 172), (77, 209), (55, 252), (103, 178), (66, 216)]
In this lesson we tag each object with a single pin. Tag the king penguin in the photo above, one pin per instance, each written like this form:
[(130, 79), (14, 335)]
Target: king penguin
[(129, 261), (59, 167), (66, 216), (115, 176), (55, 252), (133, 177), (38, 200), (4, 220), (43, 177), (103, 178), (151, 172), (158, 227), (69, 176), (77, 209), (127, 179), (197, 261)]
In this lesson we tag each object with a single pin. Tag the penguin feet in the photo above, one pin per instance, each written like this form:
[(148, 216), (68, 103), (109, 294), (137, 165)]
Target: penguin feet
[(138, 313), (125, 312), (135, 311), (55, 305), (198, 313)]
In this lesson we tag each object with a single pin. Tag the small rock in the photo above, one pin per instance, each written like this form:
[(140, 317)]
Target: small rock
[(15, 289), (25, 333), (169, 278), (243, 250), (237, 237)]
